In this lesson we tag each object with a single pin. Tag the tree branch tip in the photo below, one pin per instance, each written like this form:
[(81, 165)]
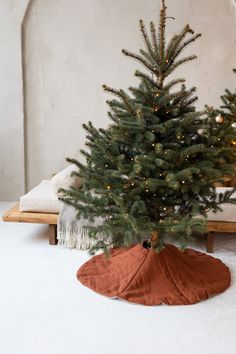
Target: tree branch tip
[(164, 5)]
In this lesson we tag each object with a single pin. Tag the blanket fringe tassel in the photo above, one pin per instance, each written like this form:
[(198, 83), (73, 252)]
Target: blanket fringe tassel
[(74, 237)]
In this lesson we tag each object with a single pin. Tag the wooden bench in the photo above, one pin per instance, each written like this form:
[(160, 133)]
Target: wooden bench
[(216, 227), (15, 215)]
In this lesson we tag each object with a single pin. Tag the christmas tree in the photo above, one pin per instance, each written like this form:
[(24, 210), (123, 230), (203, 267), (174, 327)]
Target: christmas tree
[(222, 126), (228, 108), (152, 171)]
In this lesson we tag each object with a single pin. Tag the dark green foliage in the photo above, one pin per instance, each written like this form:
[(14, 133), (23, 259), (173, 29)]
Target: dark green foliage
[(154, 167), (221, 131)]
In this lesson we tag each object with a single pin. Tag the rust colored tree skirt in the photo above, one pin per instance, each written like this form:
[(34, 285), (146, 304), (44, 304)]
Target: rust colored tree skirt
[(145, 277)]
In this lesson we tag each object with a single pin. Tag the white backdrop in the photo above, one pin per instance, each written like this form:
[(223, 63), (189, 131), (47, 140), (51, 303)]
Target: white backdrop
[(12, 174)]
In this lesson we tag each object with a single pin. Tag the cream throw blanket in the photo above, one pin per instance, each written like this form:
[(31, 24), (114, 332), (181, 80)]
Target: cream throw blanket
[(72, 232)]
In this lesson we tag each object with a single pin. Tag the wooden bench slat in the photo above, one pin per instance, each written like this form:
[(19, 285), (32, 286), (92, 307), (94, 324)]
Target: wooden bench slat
[(15, 215), (221, 226)]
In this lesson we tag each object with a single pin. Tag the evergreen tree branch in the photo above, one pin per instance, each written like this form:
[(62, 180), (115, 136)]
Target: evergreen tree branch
[(137, 57), (146, 39)]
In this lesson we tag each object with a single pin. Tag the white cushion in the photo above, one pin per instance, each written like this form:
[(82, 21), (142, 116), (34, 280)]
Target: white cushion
[(64, 180), (229, 210), (41, 199)]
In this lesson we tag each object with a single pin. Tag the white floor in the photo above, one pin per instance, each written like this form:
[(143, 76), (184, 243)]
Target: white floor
[(45, 310)]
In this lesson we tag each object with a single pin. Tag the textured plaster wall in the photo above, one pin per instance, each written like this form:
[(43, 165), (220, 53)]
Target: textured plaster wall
[(11, 102), (72, 48)]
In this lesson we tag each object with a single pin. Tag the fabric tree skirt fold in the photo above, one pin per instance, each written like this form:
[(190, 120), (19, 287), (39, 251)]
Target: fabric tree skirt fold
[(143, 276)]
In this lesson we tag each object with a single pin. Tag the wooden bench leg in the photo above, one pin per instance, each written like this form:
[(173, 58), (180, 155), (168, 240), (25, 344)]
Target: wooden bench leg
[(52, 233), (210, 242)]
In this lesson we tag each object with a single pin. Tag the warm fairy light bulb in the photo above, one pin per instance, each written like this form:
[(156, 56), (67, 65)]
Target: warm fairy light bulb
[(233, 125), (234, 142), (219, 119), (108, 187), (147, 190), (183, 182), (164, 208)]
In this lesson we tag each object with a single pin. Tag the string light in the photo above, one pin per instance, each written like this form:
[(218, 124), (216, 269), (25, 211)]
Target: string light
[(147, 190), (153, 144), (234, 142), (219, 119), (108, 187)]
